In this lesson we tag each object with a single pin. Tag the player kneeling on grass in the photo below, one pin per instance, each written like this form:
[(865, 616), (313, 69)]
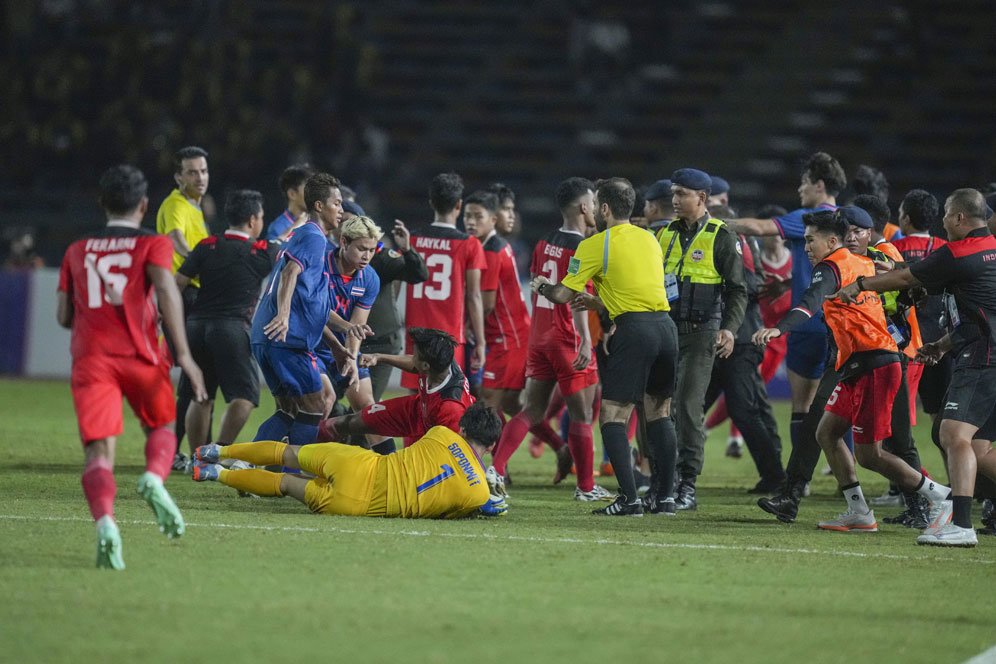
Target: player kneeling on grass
[(868, 359), (439, 476)]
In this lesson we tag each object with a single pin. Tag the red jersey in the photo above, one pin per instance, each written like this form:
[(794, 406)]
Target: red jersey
[(553, 324), (438, 302), (445, 404), (917, 246), (507, 326), (104, 274), (775, 272)]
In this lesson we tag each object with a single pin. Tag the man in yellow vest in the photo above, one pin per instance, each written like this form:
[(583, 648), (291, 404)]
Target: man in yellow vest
[(707, 292)]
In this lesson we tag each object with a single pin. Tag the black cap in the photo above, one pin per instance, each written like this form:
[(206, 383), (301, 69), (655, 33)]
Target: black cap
[(855, 216), (353, 208), (692, 178), (719, 186), (658, 190)]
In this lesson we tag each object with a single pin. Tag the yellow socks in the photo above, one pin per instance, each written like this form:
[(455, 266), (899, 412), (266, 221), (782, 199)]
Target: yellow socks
[(259, 482), (262, 453)]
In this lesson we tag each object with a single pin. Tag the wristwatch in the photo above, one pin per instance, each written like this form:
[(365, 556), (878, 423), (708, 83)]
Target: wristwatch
[(860, 281)]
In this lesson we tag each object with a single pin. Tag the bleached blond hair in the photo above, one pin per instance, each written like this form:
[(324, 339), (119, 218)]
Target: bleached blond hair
[(356, 228)]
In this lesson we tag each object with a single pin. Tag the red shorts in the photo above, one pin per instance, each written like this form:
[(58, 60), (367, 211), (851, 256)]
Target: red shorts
[(98, 383), (411, 416), (409, 381), (554, 363), (866, 402), (505, 368), (914, 372)]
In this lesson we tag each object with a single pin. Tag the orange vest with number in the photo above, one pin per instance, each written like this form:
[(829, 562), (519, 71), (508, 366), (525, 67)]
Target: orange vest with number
[(860, 326)]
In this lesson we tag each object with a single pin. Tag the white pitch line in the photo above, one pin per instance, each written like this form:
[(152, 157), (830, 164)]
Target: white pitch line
[(523, 538), (987, 657)]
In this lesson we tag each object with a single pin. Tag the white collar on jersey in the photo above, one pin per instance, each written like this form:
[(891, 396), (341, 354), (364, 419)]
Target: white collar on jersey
[(123, 223), (490, 235), (572, 232), (442, 224), (231, 232), (446, 379), (918, 235)]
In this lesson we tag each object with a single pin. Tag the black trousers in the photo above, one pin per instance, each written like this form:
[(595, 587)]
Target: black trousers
[(805, 450), (747, 402)]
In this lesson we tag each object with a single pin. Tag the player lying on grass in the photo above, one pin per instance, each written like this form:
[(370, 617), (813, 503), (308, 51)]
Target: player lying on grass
[(443, 393), (439, 476)]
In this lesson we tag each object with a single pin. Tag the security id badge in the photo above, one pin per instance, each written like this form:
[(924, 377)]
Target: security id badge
[(671, 286)]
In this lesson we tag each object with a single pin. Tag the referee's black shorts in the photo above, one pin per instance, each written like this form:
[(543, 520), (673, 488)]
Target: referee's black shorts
[(642, 357), (221, 349)]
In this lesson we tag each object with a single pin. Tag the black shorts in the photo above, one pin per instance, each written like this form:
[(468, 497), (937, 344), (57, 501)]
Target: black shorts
[(642, 357), (933, 385), (220, 347), (971, 398)]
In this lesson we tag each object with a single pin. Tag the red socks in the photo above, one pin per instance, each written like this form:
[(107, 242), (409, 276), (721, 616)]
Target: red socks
[(545, 432), (159, 449), (99, 487), (511, 437), (582, 445)]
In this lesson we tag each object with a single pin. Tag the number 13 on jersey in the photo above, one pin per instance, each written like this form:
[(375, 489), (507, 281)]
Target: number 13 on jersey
[(439, 284)]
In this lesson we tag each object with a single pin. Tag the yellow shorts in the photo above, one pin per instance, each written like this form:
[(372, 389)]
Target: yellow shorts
[(346, 481)]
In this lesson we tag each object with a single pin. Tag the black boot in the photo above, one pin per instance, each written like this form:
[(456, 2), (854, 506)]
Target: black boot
[(785, 505)]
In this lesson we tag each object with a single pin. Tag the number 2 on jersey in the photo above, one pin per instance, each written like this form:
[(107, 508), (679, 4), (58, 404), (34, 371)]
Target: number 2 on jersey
[(101, 283), (548, 270), (447, 473), (440, 279)]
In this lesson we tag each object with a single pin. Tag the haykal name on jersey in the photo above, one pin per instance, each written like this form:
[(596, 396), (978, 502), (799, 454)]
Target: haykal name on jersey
[(110, 243), (465, 465), (432, 243)]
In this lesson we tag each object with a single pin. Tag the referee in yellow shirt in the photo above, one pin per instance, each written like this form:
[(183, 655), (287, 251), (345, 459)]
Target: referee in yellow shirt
[(439, 476), (627, 267)]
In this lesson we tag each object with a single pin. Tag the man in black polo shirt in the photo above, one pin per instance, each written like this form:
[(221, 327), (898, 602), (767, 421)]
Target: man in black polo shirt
[(965, 268), (231, 267)]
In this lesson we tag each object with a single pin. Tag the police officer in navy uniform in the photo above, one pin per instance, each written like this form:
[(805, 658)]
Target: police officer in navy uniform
[(657, 208), (704, 280)]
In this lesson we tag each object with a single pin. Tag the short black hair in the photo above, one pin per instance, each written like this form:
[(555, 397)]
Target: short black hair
[(826, 221), (721, 212), (921, 207), (122, 188), (319, 188), (570, 190), (433, 346), (241, 204), (876, 208), (870, 182), (502, 191), (969, 202), (445, 192), (189, 152), (294, 176), (482, 424), (770, 211), (821, 166), (486, 199), (618, 194)]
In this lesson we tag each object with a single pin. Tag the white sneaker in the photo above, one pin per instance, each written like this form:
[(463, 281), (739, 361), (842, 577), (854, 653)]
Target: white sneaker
[(888, 499), (597, 493), (851, 522), (938, 516), (496, 483), (949, 535)]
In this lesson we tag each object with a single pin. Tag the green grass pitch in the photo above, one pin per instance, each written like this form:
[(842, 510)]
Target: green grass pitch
[(263, 580)]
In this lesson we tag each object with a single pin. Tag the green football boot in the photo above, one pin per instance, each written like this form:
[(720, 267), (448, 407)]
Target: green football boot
[(150, 487), (109, 544)]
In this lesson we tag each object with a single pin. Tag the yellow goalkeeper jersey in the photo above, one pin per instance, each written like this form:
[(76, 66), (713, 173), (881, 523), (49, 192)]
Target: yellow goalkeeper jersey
[(439, 476)]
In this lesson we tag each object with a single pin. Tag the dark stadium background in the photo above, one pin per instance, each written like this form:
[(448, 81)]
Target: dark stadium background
[(386, 94)]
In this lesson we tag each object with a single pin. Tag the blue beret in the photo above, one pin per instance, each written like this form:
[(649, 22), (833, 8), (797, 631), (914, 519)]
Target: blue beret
[(855, 216), (719, 186), (353, 208), (692, 178), (658, 190)]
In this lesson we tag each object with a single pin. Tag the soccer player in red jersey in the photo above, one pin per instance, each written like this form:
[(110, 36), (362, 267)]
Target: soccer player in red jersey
[(560, 350), (453, 289), (506, 319), (106, 297), (443, 393)]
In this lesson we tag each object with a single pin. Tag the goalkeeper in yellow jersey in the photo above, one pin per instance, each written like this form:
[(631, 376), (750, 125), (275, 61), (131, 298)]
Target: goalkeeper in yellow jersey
[(439, 476)]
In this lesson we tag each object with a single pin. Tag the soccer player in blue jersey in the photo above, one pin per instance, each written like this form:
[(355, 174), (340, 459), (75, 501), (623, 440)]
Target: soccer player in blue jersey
[(291, 318), (822, 181), (292, 185)]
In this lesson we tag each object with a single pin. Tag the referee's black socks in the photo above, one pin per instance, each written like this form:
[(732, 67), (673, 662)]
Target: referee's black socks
[(662, 440), (617, 447)]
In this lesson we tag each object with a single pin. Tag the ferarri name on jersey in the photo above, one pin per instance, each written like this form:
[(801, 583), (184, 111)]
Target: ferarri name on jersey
[(110, 243)]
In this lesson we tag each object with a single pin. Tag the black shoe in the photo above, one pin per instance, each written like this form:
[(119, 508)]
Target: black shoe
[(785, 505), (665, 506), (620, 507), (684, 495), (915, 514), (766, 488), (988, 518)]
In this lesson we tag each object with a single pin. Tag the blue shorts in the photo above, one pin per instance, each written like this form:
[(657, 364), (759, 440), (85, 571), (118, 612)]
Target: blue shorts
[(807, 354), (338, 381), (289, 372)]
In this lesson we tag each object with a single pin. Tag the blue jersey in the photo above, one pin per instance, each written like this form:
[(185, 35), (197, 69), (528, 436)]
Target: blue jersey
[(310, 302), (347, 292), (791, 228), (280, 225)]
